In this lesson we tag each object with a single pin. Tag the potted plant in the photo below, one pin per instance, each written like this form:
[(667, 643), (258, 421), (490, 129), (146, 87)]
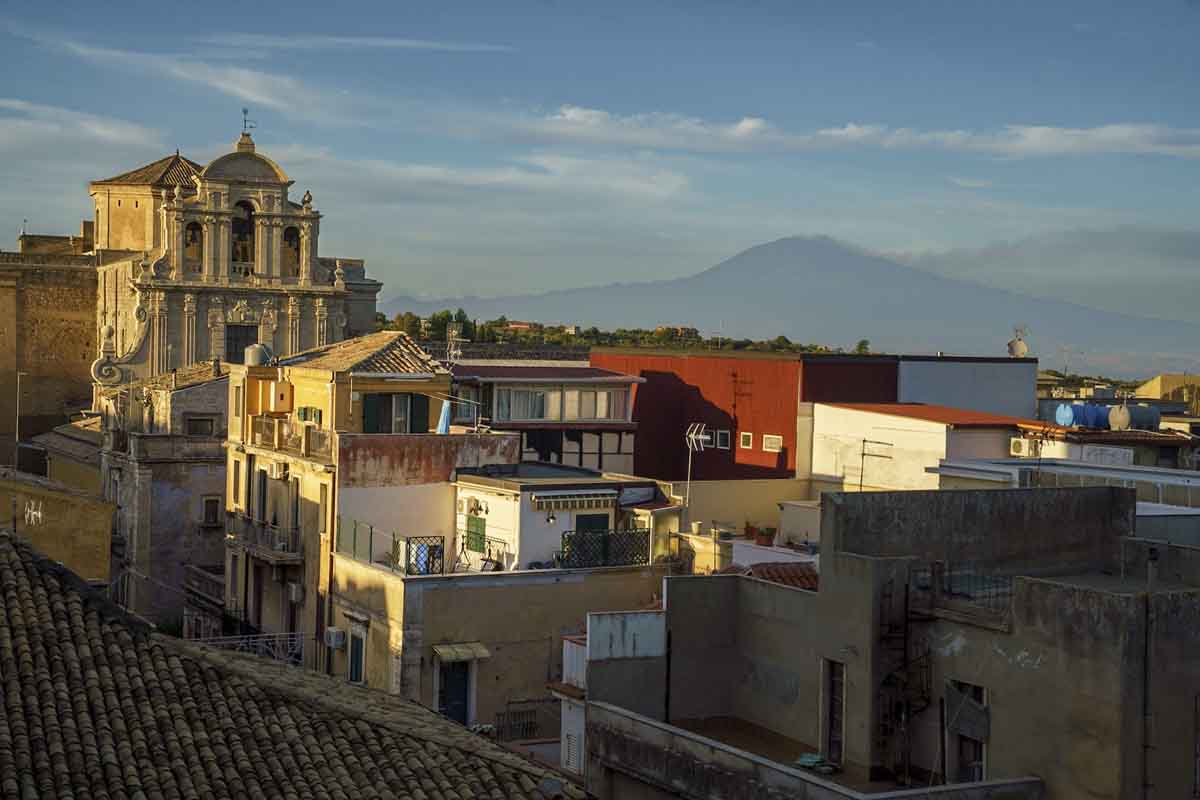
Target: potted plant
[(751, 531), (765, 537)]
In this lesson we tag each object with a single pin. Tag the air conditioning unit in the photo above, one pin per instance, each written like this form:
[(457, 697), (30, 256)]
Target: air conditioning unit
[(278, 470), (1023, 448), (281, 397), (335, 638), (295, 592)]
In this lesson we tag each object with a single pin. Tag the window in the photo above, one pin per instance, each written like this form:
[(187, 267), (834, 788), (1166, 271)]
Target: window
[(476, 540), (464, 407), (835, 703), (966, 710), (193, 245), (237, 401), (722, 440), (357, 649), (212, 511), (237, 339), (291, 252), (395, 413), (200, 426), (242, 240), (324, 508), (518, 404), (593, 404), (237, 482), (772, 443), (309, 414), (746, 440)]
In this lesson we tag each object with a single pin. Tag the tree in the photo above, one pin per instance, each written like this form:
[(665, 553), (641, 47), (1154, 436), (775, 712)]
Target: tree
[(437, 325), (863, 347), (381, 321)]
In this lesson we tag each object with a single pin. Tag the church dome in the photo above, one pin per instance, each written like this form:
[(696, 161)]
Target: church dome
[(245, 165)]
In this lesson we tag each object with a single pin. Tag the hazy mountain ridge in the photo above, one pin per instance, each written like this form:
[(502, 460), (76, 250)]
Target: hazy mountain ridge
[(821, 290)]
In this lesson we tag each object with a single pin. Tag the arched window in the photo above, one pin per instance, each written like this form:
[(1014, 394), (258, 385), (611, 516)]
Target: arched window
[(291, 252), (193, 246), (243, 234)]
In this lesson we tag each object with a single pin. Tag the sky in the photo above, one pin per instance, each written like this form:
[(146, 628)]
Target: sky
[(492, 148)]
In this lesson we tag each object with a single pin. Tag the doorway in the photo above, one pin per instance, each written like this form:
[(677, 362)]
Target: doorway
[(454, 690)]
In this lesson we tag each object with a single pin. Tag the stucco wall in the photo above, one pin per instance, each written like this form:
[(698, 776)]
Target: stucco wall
[(737, 502), (898, 452), (60, 522), (627, 660)]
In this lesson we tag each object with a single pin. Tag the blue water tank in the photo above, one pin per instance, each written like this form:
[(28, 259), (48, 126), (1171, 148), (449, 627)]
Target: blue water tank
[(1064, 415)]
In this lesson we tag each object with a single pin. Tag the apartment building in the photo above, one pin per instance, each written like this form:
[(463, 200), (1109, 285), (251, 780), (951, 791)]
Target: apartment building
[(976, 644)]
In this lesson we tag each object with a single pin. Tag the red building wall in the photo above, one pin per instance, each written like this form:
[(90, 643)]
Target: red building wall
[(755, 394)]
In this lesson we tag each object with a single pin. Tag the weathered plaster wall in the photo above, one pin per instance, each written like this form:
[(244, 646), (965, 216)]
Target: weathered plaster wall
[(1012, 528), (627, 660), (60, 522), (367, 460)]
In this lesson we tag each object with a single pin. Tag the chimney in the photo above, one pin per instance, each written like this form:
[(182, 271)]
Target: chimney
[(216, 367), (1152, 569)]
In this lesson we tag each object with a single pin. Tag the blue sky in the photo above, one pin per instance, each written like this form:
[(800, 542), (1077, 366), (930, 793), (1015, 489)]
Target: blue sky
[(496, 147)]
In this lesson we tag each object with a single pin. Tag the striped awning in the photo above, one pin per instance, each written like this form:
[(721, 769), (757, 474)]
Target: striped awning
[(578, 499), (461, 651)]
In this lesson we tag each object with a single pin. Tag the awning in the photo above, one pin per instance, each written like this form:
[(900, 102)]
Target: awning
[(461, 651), (578, 499)]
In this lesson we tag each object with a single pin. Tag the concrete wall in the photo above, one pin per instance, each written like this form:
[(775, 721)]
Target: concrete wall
[(997, 387), (1007, 528), (82, 475), (60, 522), (736, 502), (627, 660), (368, 460)]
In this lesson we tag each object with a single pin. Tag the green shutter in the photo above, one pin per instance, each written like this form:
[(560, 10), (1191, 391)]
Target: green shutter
[(476, 534), (418, 414)]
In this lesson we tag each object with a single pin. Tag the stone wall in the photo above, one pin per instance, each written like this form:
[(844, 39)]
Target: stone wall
[(48, 331), (61, 522)]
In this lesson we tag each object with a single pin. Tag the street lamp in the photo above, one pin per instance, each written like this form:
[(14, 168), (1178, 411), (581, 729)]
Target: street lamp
[(17, 422)]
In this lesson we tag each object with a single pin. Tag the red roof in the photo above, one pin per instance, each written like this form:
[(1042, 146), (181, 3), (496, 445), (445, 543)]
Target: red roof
[(505, 372), (955, 417), (796, 574)]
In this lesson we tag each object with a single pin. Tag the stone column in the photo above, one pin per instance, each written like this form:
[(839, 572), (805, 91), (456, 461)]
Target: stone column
[(294, 313), (216, 327), (306, 259), (159, 343), (322, 314), (189, 330)]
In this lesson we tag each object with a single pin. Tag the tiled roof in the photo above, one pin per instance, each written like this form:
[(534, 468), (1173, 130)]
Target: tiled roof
[(170, 171), (506, 372), (99, 705), (78, 440), (956, 417), (796, 574), (385, 352), (181, 378)]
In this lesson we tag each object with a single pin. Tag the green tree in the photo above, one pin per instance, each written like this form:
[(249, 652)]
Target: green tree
[(863, 347)]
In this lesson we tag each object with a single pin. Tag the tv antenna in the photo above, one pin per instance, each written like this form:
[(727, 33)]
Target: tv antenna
[(247, 123), (454, 341)]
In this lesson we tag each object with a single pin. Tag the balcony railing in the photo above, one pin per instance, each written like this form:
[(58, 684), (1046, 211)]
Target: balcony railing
[(477, 548), (206, 581), (277, 543), (405, 555), (605, 548), (286, 647), (287, 436)]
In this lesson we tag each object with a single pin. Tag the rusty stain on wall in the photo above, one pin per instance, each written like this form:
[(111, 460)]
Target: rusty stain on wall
[(388, 459)]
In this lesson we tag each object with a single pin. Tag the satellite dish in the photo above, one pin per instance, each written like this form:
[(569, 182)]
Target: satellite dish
[(1017, 346)]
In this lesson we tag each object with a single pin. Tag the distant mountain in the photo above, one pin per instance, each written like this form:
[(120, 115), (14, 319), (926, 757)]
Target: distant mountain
[(1149, 272), (821, 290)]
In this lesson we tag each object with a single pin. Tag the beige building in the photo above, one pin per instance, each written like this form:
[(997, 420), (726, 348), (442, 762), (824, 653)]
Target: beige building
[(72, 454), (224, 258)]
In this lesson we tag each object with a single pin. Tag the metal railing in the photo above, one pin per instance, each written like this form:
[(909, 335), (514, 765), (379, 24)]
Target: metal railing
[(405, 555), (291, 436), (320, 443), (205, 581), (262, 431), (962, 586), (277, 542), (285, 647), (522, 720), (605, 548)]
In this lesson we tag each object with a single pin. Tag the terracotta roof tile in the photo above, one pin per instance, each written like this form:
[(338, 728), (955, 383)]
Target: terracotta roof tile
[(97, 704), (797, 574), (388, 352), (170, 171), (181, 378)]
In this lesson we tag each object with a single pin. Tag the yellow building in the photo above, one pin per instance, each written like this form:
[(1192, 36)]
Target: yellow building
[(61, 522), (1180, 387), (73, 454), (338, 431)]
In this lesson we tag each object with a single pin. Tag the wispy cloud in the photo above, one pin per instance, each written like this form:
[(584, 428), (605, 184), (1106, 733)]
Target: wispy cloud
[(969, 183), (668, 131), (317, 42), (24, 123)]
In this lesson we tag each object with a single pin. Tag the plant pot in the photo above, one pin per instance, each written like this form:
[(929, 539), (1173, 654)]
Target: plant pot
[(765, 538)]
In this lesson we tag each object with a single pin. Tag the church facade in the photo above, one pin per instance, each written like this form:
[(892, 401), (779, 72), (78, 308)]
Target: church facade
[(221, 258)]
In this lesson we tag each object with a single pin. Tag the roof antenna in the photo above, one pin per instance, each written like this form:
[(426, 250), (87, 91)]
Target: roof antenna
[(247, 123), (24, 222)]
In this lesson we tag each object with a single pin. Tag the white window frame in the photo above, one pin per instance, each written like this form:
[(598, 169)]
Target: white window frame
[(723, 436), (745, 440), (772, 443)]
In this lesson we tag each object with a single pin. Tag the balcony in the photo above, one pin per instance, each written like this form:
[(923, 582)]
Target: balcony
[(285, 647), (274, 543), (411, 555), (604, 548), (294, 438), (206, 582), (165, 447)]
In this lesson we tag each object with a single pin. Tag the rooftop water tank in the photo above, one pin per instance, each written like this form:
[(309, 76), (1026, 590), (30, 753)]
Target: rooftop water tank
[(1136, 417), (1064, 415), (257, 355)]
